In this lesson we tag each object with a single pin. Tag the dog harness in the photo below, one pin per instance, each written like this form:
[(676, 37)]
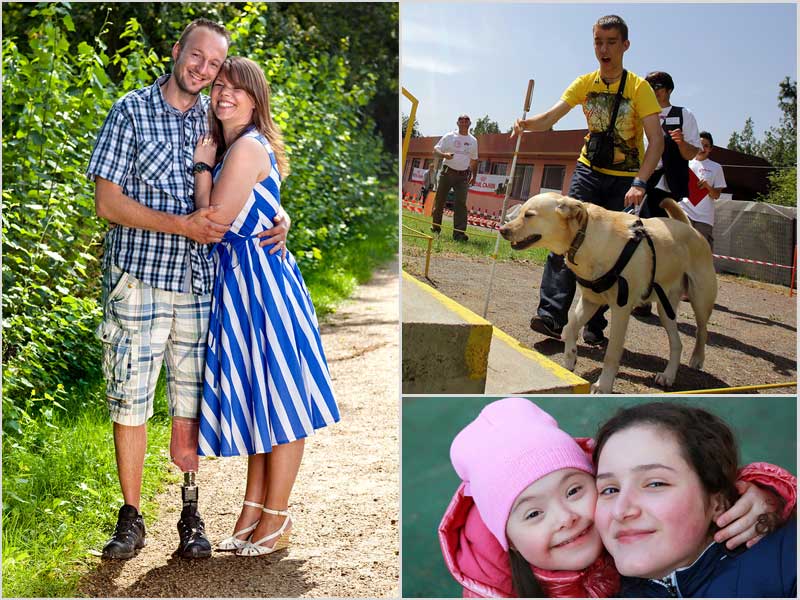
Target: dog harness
[(602, 284)]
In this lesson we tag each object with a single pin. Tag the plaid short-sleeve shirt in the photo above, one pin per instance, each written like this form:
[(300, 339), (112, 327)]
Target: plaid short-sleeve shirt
[(146, 146)]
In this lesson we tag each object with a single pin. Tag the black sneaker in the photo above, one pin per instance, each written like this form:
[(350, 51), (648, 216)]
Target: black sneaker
[(192, 532), (546, 327), (435, 228), (592, 338), (128, 536), (461, 237)]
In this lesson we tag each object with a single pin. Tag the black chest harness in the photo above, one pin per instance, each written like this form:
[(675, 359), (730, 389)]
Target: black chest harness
[(602, 284)]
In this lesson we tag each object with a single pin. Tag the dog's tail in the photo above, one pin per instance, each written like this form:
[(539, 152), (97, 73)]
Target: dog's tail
[(674, 211)]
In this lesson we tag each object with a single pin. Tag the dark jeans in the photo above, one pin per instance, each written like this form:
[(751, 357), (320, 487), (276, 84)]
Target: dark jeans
[(558, 282), (459, 182)]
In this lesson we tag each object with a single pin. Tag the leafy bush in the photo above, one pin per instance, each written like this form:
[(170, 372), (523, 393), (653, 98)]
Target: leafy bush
[(782, 187), (52, 97)]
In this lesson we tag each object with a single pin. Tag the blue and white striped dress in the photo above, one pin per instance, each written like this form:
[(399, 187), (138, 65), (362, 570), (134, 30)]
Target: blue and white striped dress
[(266, 378)]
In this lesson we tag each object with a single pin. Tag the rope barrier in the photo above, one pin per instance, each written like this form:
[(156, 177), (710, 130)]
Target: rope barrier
[(751, 261)]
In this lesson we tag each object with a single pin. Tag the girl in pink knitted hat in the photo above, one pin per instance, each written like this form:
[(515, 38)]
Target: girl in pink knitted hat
[(522, 521)]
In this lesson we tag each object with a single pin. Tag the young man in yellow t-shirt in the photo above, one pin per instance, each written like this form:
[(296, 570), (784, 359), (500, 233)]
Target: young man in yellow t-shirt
[(614, 187)]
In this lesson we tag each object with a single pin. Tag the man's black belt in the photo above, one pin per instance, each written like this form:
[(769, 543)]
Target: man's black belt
[(601, 284), (448, 169)]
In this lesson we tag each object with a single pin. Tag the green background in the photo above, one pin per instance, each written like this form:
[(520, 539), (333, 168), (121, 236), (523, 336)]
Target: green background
[(765, 427)]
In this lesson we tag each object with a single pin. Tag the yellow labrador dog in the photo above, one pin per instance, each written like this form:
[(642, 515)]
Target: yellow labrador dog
[(622, 261)]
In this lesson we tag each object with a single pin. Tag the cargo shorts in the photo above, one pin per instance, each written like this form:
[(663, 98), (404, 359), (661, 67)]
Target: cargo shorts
[(142, 327)]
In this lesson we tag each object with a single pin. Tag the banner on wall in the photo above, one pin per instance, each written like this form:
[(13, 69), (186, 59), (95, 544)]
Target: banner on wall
[(418, 175), (494, 185)]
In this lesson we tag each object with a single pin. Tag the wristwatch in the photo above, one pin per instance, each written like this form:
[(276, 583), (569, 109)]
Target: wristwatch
[(199, 167), (640, 183)]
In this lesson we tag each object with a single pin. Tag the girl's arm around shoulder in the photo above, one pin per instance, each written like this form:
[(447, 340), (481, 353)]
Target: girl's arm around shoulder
[(247, 163)]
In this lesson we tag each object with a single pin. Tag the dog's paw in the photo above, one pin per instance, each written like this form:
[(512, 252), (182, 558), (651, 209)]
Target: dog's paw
[(696, 362), (664, 380), (598, 388), (570, 359)]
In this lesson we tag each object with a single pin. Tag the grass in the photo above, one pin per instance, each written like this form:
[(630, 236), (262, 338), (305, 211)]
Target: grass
[(353, 264), (60, 488), (481, 241), (61, 497)]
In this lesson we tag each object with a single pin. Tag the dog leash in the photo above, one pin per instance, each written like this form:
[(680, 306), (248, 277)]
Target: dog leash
[(635, 209)]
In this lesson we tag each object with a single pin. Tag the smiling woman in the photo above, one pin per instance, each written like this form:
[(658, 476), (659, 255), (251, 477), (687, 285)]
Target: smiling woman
[(657, 508)]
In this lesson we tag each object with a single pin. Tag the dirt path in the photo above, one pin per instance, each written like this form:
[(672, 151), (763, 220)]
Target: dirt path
[(345, 540), (752, 333)]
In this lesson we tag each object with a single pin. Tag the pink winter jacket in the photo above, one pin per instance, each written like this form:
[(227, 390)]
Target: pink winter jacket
[(480, 565)]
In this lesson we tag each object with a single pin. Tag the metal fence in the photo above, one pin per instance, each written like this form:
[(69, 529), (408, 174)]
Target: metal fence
[(755, 239)]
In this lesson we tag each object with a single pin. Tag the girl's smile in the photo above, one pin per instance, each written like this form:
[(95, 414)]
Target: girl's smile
[(551, 523)]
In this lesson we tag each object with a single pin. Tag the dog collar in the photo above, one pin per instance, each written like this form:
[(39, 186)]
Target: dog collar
[(576, 242)]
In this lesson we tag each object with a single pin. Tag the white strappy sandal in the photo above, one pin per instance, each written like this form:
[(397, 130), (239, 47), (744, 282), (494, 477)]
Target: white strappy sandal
[(232, 543), (256, 549)]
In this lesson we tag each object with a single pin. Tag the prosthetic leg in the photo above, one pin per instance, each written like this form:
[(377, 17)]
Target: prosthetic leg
[(183, 450)]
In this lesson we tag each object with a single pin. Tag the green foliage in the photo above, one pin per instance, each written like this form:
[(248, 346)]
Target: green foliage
[(52, 97), (414, 128), (746, 140), (353, 264), (782, 187), (779, 147), (59, 500), (485, 125)]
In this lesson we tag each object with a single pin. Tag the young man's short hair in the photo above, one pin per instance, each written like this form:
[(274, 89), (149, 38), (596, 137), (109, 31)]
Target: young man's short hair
[(661, 79), (208, 24), (707, 136), (613, 22)]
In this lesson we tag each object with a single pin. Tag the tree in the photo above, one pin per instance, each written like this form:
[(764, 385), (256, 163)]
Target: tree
[(782, 187), (745, 141), (414, 129), (780, 143), (485, 125), (779, 147)]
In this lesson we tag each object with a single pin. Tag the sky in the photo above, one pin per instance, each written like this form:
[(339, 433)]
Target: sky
[(726, 60)]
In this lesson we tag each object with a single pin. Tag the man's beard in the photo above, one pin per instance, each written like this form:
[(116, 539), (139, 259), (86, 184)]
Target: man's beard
[(179, 81)]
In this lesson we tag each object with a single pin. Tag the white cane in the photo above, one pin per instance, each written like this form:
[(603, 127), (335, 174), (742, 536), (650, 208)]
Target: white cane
[(509, 185)]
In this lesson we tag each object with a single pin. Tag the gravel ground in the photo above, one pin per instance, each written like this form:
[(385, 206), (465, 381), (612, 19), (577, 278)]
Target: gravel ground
[(345, 504), (752, 332)]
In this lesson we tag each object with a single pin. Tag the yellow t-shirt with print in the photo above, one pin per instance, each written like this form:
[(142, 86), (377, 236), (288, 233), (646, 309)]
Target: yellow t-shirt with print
[(638, 101)]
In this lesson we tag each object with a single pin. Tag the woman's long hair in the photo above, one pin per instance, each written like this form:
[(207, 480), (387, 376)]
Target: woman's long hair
[(245, 74), (522, 578)]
